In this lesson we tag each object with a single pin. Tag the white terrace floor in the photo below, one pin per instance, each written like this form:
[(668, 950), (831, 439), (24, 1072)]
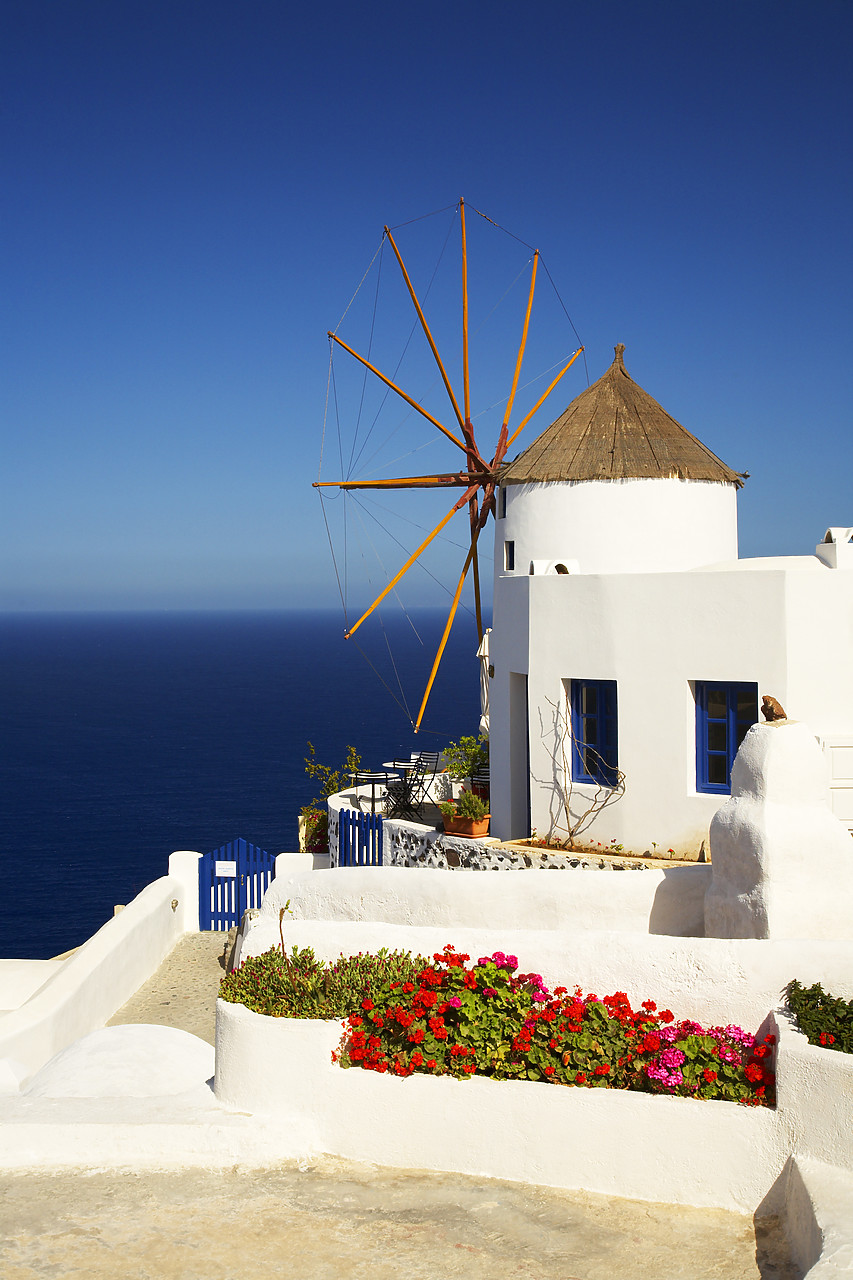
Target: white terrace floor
[(244, 1215)]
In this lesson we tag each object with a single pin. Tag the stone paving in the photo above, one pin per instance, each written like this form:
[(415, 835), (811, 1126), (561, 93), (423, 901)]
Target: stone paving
[(332, 1219), (338, 1221), (182, 993)]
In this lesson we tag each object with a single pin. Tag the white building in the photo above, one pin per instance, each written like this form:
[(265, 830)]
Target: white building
[(631, 646)]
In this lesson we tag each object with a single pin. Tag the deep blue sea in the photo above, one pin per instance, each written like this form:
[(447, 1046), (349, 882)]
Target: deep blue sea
[(127, 736)]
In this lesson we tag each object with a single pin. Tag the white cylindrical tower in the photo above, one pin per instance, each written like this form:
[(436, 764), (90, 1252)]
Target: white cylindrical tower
[(615, 485)]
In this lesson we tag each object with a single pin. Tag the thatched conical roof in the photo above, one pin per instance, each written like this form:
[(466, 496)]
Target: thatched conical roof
[(615, 431)]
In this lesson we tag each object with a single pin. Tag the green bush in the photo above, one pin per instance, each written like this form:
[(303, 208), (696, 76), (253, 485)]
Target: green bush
[(465, 757), (470, 806), (301, 986), (825, 1019)]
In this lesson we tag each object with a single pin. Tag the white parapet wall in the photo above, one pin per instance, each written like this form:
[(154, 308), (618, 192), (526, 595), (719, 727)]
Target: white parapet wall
[(818, 1218), (666, 901), (814, 1088), (610, 1141), (573, 936), (622, 1143), (93, 983)]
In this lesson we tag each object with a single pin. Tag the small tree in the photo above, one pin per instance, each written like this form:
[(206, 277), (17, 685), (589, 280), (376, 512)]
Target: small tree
[(315, 814), (331, 780), (462, 759)]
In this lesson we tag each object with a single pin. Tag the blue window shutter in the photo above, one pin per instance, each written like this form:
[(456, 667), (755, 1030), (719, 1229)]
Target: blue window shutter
[(595, 733), (724, 713)]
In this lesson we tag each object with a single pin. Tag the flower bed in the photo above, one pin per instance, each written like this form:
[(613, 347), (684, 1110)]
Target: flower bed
[(457, 1019), (613, 1141), (406, 1015)]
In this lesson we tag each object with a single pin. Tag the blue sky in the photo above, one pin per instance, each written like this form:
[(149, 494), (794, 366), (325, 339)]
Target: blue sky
[(192, 191)]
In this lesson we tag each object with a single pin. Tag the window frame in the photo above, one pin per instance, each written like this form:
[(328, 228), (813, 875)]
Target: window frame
[(606, 745), (732, 721)]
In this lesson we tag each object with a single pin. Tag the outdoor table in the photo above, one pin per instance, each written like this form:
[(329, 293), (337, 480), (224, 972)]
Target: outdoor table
[(365, 777)]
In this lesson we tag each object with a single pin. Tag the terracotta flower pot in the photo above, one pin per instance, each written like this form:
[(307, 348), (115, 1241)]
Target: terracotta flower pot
[(472, 827)]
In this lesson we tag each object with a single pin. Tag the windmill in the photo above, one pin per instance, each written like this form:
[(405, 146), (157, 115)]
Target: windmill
[(478, 473)]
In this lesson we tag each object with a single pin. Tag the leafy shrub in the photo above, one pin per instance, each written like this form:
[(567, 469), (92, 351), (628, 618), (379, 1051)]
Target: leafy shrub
[(467, 806), (301, 986), (331, 780), (452, 1019), (825, 1019), (465, 757)]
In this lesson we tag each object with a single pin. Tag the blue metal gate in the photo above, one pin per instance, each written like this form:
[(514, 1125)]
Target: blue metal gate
[(231, 879), (359, 839)]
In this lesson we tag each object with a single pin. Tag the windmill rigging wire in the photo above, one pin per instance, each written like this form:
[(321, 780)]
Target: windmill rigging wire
[(384, 682), (523, 387), (542, 263), (424, 216), (348, 472), (394, 665), (340, 452), (334, 560), (421, 528), (360, 283), (406, 550), (329, 390), (568, 317), (403, 704)]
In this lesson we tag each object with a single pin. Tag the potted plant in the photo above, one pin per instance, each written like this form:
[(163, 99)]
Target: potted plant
[(314, 817), (466, 816)]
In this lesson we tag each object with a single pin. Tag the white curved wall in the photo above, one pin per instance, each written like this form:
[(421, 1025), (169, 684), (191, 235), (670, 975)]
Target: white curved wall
[(619, 526), (89, 987), (712, 1154)]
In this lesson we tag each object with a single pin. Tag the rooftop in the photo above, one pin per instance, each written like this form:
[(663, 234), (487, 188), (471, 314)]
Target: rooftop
[(616, 431)]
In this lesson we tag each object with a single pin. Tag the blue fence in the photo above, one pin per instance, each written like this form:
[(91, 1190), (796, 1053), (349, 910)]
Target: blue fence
[(359, 839), (231, 879)]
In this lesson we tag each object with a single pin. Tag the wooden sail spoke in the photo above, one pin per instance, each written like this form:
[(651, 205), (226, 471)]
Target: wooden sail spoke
[(454, 606), (400, 392), (446, 480), (474, 518), (466, 497), (465, 376), (425, 328), (478, 477), (542, 399), (502, 438)]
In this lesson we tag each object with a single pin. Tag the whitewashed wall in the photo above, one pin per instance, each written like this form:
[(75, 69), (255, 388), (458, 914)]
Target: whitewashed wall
[(619, 526), (786, 625), (604, 1140), (610, 1141), (98, 979), (558, 925)]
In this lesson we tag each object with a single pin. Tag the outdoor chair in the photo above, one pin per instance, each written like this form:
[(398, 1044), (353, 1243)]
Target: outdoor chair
[(480, 780), (404, 797)]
